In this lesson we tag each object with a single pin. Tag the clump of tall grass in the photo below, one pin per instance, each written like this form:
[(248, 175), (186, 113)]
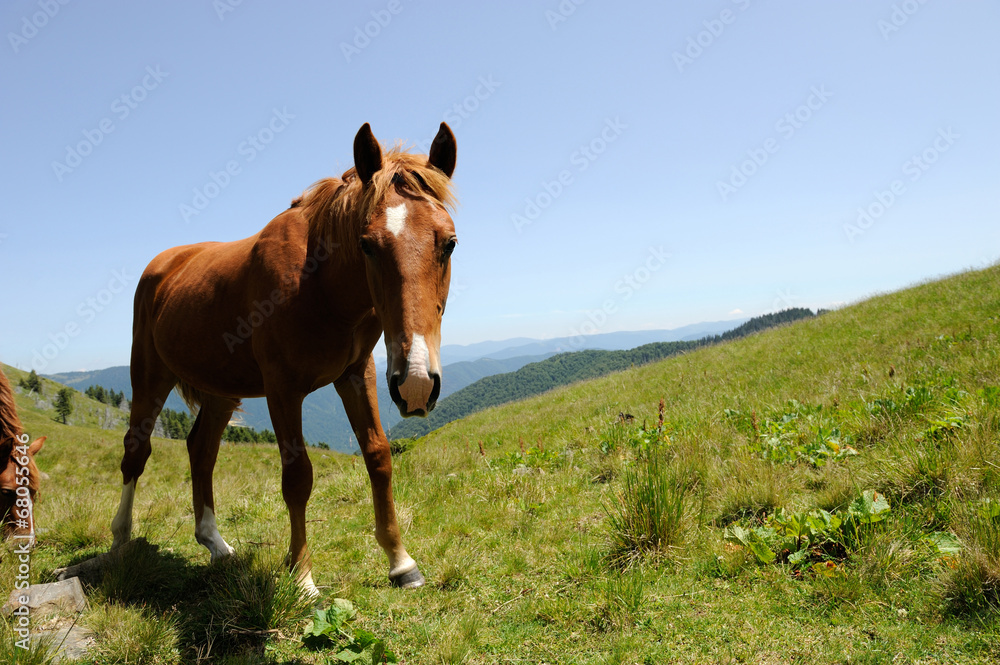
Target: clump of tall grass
[(972, 585), (249, 597), (647, 515)]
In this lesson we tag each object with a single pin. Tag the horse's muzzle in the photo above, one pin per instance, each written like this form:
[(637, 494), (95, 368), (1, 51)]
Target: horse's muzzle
[(415, 395)]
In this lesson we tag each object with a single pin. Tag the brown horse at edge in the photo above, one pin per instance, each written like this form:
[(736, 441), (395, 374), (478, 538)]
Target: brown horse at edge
[(297, 306), (17, 469)]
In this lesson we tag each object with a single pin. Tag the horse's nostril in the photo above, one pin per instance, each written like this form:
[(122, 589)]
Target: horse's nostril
[(394, 388), (435, 392)]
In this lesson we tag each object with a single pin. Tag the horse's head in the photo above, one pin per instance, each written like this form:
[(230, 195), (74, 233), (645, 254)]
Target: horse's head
[(407, 244), (14, 492)]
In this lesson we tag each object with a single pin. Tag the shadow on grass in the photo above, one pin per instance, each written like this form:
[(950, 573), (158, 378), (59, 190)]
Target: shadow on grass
[(232, 607)]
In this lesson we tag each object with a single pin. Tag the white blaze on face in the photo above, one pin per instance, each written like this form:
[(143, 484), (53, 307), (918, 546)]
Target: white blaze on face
[(416, 389), (208, 535), (395, 219)]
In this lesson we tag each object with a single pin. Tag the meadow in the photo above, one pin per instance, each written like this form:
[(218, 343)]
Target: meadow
[(824, 492)]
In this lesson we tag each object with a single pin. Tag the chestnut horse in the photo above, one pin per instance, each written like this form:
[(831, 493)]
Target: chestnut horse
[(293, 308), (19, 476)]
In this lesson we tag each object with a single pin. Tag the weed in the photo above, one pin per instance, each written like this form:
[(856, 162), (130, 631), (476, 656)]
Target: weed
[(816, 536), (328, 631), (626, 435), (799, 433)]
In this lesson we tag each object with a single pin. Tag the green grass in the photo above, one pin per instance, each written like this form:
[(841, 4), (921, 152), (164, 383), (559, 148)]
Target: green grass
[(522, 544), (13, 651)]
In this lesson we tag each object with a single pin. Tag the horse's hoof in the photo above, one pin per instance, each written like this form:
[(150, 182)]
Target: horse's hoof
[(411, 579)]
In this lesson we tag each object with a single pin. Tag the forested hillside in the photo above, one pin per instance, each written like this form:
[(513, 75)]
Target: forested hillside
[(566, 368)]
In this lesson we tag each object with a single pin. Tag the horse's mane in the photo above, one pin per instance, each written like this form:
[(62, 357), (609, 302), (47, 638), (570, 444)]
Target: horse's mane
[(10, 424), (338, 208)]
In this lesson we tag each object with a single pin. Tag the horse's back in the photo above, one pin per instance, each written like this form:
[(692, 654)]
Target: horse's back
[(194, 306)]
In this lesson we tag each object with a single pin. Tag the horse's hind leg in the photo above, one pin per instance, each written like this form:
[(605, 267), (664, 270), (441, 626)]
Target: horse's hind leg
[(285, 408), (203, 450), (151, 385)]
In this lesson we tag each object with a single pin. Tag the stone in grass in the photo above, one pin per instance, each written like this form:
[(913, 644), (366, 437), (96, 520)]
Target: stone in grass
[(65, 597), (68, 644)]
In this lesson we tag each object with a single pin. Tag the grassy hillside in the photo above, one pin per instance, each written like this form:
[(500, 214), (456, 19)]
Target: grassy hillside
[(859, 449)]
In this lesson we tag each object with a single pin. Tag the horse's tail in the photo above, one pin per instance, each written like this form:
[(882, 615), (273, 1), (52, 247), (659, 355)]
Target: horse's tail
[(191, 396), (194, 398)]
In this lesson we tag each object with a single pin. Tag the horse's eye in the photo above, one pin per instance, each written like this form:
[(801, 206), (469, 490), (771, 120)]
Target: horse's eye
[(449, 247), (366, 247)]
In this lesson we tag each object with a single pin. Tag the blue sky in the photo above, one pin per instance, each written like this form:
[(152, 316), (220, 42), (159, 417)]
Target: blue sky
[(620, 165)]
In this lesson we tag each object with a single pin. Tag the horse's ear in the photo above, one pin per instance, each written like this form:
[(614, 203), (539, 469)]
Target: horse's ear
[(367, 154), (443, 149), (36, 445)]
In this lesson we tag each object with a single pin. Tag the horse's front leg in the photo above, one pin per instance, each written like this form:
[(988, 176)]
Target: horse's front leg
[(285, 408), (357, 390)]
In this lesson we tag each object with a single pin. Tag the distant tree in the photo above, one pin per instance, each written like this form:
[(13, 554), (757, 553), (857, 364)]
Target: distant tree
[(97, 393), (323, 445), (64, 403), (176, 424), (32, 383), (248, 435), (105, 395)]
